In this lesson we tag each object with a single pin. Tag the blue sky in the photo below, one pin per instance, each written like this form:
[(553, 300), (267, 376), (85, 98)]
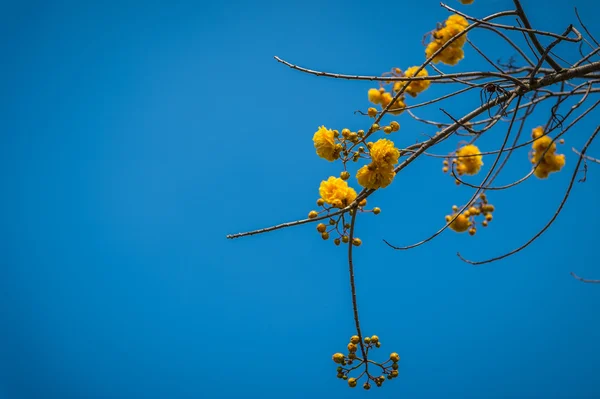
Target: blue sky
[(136, 135)]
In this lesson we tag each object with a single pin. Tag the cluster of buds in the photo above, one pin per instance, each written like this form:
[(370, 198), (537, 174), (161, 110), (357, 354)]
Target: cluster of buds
[(389, 368), (338, 226), (332, 145), (543, 154), (466, 221), (453, 53), (384, 98), (467, 160)]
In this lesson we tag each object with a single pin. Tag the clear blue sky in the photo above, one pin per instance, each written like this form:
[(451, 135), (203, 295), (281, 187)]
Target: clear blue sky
[(135, 135)]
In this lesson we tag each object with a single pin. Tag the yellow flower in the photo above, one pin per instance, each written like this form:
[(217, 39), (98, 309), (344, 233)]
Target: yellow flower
[(469, 160), (383, 153), (452, 54), (460, 224), (397, 107), (456, 19), (336, 192), (324, 141), (374, 96), (416, 86), (373, 177), (551, 162)]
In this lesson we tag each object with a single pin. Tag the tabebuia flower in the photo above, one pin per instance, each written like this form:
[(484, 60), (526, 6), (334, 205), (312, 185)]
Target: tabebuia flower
[(324, 141), (544, 152), (336, 192)]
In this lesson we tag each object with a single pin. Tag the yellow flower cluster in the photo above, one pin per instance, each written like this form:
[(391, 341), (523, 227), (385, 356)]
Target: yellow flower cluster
[(452, 54), (380, 172), (389, 371), (466, 220), (324, 141), (417, 86), (384, 98), (544, 152)]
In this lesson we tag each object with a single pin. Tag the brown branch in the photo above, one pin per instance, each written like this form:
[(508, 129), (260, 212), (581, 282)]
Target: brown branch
[(585, 280), (353, 286)]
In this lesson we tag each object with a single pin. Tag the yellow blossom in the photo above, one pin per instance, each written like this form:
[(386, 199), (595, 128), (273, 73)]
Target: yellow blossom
[(373, 176), (416, 86), (453, 53), (544, 147), (374, 96), (383, 153), (324, 142), (397, 107), (336, 192), (469, 160)]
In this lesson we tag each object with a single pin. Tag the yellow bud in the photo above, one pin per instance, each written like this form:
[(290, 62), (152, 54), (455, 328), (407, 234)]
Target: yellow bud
[(367, 340), (454, 208), (345, 175), (362, 202), (336, 241), (387, 129), (312, 214), (472, 231), (321, 227), (338, 357), (355, 339), (395, 357), (374, 339), (320, 202), (374, 127), (445, 169), (331, 222), (325, 235), (372, 112), (352, 382), (394, 373), (488, 217), (345, 239), (351, 347), (484, 223), (345, 132), (367, 386), (395, 126), (376, 211), (395, 366), (356, 241)]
